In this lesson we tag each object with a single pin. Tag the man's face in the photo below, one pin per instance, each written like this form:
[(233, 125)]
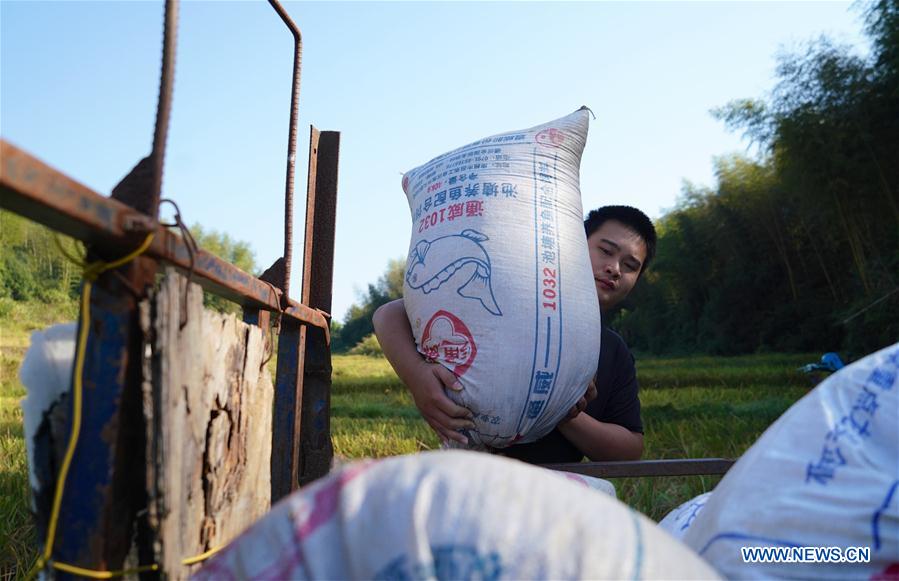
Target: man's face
[(616, 254)]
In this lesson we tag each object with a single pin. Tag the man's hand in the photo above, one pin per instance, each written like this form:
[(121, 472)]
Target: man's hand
[(581, 404), (426, 382)]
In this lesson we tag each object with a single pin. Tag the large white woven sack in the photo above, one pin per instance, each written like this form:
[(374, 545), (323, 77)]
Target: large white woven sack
[(678, 521), (825, 474), (498, 286), (453, 515)]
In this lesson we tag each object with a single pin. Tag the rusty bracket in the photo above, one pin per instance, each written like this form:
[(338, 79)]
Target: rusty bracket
[(142, 187)]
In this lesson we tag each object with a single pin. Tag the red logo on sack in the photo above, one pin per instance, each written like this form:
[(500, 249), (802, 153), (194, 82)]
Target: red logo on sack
[(448, 340), (405, 183), (551, 137)]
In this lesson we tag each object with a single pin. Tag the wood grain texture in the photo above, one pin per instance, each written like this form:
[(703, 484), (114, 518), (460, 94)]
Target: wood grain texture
[(209, 418)]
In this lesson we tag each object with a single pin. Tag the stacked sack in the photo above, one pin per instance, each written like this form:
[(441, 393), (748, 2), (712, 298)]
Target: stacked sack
[(678, 521), (821, 484), (413, 517), (498, 285)]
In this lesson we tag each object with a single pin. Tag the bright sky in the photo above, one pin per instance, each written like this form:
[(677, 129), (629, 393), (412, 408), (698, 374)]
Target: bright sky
[(403, 82)]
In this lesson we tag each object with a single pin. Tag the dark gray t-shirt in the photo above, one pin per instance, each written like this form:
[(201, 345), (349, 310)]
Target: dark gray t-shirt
[(616, 403)]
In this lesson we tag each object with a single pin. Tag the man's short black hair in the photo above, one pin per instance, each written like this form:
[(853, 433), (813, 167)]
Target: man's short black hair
[(630, 217)]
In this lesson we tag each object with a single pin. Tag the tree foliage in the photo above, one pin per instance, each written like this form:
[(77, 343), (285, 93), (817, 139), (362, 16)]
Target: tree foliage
[(33, 267), (800, 249), (368, 346), (31, 264), (237, 252), (357, 323)]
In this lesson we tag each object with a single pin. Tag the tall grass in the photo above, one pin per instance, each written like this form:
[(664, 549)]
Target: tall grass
[(17, 534), (699, 407), (706, 407), (372, 414)]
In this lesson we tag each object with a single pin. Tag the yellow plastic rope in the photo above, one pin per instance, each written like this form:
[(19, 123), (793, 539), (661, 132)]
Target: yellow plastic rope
[(201, 557), (103, 574), (66, 253), (91, 272)]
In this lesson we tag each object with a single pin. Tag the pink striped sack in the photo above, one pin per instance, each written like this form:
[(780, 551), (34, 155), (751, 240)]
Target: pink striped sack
[(413, 517)]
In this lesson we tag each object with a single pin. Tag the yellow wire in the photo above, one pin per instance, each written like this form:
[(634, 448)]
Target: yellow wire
[(64, 252), (202, 557), (84, 326), (76, 427), (96, 268), (103, 574), (91, 271)]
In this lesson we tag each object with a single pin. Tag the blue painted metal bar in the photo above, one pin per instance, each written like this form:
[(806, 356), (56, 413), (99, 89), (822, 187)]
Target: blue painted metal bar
[(105, 483), (258, 317), (288, 399), (316, 448)]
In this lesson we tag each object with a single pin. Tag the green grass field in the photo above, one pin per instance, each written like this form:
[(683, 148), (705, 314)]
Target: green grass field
[(692, 407), (697, 407)]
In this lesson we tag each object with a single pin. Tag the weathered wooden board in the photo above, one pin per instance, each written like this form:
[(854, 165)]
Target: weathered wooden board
[(208, 407)]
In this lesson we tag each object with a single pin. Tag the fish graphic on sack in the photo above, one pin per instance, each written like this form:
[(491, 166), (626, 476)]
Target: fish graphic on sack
[(435, 263)]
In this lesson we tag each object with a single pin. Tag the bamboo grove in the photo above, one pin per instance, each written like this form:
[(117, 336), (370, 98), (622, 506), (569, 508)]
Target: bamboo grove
[(797, 250)]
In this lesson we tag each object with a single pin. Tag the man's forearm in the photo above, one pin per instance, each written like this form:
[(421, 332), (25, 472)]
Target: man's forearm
[(396, 339), (601, 441)]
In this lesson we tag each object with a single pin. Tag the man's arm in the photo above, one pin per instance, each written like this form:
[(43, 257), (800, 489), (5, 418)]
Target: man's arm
[(424, 380), (601, 441), (610, 429)]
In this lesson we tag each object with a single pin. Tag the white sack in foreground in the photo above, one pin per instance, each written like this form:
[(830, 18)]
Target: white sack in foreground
[(825, 474), (453, 515), (46, 374), (498, 286), (678, 521)]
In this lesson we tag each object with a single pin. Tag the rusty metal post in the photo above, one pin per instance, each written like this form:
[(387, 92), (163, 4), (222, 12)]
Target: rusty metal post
[(644, 468), (279, 272), (301, 425), (289, 371), (318, 267)]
